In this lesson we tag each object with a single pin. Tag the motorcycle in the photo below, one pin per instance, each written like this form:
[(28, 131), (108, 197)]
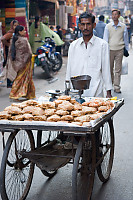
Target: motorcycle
[(48, 58)]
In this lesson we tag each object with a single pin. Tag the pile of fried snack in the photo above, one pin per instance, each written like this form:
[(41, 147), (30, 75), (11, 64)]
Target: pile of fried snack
[(64, 109)]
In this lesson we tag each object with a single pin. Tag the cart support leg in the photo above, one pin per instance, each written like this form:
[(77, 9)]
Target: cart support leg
[(39, 137), (3, 140)]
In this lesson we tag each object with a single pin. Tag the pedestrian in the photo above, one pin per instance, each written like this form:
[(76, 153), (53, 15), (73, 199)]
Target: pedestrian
[(127, 23), (6, 42), (52, 28), (19, 59), (116, 35), (38, 32), (59, 32), (77, 33), (89, 55), (100, 26)]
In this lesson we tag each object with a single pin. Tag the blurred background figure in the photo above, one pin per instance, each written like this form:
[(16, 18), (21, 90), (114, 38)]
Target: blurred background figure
[(38, 32), (127, 23), (100, 26), (19, 60), (77, 33), (52, 28), (6, 43), (59, 32)]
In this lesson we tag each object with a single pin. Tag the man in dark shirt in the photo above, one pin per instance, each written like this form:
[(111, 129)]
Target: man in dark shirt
[(100, 26)]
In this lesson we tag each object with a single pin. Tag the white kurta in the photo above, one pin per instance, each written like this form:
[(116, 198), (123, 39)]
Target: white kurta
[(93, 61)]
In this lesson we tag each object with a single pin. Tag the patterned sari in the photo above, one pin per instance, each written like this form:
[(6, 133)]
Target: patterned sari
[(23, 85)]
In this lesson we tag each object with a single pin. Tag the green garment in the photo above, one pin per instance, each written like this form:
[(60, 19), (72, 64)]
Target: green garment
[(40, 33)]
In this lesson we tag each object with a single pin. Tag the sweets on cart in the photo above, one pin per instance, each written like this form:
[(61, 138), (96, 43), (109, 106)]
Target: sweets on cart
[(64, 109)]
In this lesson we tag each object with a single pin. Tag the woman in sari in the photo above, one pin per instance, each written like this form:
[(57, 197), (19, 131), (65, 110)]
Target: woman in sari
[(20, 60), (6, 43)]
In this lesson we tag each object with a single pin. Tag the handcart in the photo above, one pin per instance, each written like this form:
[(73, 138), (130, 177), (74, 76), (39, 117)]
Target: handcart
[(92, 149)]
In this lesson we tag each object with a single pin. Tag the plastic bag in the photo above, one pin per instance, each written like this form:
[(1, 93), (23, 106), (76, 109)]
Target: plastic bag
[(124, 70)]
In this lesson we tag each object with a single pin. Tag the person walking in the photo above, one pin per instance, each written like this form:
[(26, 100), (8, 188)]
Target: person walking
[(6, 43), (89, 55), (59, 32), (127, 23), (100, 26), (19, 59), (38, 32), (116, 35)]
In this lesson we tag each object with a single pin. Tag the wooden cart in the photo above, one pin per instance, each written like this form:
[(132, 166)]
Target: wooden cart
[(90, 149)]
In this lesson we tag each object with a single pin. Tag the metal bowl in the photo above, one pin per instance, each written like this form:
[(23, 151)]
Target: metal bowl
[(81, 82)]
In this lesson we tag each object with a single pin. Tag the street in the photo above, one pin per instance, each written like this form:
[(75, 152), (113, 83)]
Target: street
[(120, 184)]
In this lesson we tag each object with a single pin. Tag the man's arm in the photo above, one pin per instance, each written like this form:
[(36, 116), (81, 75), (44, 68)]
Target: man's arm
[(106, 69), (106, 34)]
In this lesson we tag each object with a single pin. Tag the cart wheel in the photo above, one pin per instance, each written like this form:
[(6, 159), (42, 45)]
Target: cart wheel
[(106, 150), (44, 139), (16, 172), (84, 171)]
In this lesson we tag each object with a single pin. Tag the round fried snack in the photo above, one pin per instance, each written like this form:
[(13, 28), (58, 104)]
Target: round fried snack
[(66, 118), (53, 118), (67, 98), (62, 112), (49, 112), (4, 115), (38, 111), (14, 110), (28, 117), (103, 108), (17, 118), (85, 103), (40, 118), (48, 105), (84, 118), (77, 106), (57, 102), (65, 106), (28, 109), (31, 102), (76, 113), (87, 110)]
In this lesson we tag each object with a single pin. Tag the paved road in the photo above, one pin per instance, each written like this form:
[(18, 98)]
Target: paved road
[(120, 185)]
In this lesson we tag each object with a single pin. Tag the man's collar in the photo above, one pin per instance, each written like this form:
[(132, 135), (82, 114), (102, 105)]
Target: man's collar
[(90, 41), (113, 24)]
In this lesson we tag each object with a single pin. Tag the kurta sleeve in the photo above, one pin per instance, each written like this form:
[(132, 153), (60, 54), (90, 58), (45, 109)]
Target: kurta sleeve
[(106, 74), (106, 34)]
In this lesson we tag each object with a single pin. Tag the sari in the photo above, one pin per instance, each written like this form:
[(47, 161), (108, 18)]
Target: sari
[(23, 85)]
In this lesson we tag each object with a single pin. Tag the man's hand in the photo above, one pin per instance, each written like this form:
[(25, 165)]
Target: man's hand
[(108, 94)]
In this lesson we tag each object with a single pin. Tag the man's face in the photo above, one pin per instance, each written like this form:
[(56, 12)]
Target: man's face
[(86, 26), (115, 15)]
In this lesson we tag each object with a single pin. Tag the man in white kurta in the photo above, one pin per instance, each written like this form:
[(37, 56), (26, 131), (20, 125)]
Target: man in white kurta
[(90, 58)]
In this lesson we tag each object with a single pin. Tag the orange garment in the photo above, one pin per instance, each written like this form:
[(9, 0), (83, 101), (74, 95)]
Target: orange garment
[(23, 85)]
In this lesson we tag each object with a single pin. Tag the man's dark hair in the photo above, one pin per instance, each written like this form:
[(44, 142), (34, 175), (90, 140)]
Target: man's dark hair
[(101, 17), (14, 39), (36, 20), (87, 15), (119, 12)]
